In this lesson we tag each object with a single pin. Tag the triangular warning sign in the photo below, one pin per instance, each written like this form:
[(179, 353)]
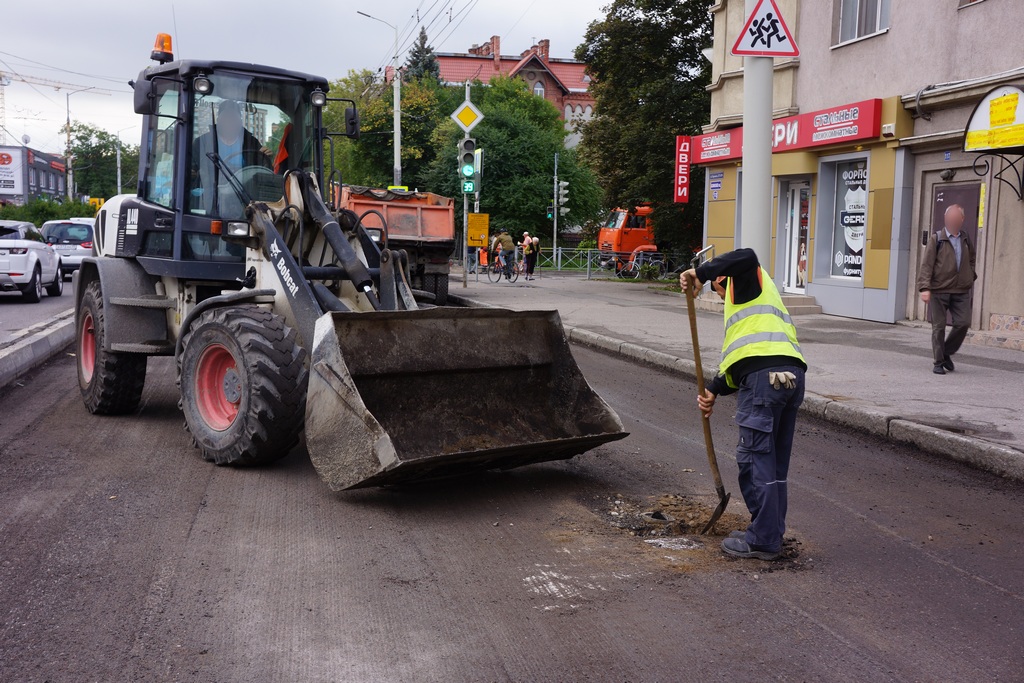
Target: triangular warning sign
[(765, 34)]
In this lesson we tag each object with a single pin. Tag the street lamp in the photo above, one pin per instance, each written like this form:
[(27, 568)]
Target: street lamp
[(67, 171), (397, 84), (119, 157)]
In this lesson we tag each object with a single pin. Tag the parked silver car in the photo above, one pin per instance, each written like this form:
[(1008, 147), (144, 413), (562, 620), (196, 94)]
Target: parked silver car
[(72, 238), (27, 262)]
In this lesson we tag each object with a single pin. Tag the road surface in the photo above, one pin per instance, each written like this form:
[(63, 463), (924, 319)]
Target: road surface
[(16, 314), (125, 557)]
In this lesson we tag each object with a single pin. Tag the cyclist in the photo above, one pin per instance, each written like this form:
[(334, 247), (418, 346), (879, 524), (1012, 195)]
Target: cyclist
[(503, 241)]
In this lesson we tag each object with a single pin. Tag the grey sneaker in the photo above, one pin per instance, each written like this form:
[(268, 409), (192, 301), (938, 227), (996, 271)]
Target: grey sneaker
[(938, 369), (742, 535), (734, 547)]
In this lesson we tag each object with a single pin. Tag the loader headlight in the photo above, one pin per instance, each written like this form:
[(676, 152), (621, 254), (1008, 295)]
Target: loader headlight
[(238, 229), (202, 85), (318, 98), (374, 233)]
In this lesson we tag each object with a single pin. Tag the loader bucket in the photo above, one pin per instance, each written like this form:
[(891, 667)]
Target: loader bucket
[(400, 396)]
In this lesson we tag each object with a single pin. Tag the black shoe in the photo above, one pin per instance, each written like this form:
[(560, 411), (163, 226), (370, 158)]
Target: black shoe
[(948, 364), (938, 369), (737, 548)]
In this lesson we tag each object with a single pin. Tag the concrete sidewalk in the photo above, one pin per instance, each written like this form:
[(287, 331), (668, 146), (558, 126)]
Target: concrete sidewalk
[(871, 376)]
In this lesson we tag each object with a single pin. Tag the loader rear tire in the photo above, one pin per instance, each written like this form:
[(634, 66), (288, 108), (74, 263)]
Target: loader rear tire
[(243, 385), (111, 383)]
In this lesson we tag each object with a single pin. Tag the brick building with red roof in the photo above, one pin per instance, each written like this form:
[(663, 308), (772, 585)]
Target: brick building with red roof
[(563, 82)]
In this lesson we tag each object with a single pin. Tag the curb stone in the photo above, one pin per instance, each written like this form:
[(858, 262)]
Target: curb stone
[(985, 455), (35, 349)]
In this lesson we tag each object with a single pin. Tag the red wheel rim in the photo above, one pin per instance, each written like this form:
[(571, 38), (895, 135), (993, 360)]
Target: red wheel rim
[(218, 387), (87, 348)]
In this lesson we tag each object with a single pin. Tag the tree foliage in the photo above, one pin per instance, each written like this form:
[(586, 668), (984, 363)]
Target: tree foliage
[(520, 134), (649, 86), (94, 161), (422, 60), (38, 211)]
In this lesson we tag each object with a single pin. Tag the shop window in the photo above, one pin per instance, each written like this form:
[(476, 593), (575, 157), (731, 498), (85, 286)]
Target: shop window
[(860, 18), (849, 218)]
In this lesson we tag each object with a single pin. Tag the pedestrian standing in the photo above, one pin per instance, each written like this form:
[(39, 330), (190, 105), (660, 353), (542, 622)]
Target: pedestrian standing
[(527, 245), (531, 265), (945, 282), (762, 361)]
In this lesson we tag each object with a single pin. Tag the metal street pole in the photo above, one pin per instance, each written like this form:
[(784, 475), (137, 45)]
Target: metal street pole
[(554, 215), (69, 174), (756, 206), (465, 220), (396, 84)]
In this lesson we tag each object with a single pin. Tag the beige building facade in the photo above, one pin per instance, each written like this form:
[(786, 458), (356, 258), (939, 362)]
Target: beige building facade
[(869, 137)]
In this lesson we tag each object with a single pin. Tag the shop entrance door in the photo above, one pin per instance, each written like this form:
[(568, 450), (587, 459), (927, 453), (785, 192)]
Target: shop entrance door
[(798, 211)]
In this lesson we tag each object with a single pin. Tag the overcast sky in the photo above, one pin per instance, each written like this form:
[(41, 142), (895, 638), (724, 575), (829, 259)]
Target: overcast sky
[(104, 43)]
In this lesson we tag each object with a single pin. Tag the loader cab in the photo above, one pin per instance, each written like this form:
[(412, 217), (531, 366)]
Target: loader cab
[(217, 135)]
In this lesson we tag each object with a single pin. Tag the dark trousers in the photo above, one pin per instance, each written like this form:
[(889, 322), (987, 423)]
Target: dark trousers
[(959, 305), (767, 420), (531, 263)]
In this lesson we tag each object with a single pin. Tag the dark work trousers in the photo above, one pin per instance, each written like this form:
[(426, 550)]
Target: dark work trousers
[(767, 419), (959, 305), (531, 262)]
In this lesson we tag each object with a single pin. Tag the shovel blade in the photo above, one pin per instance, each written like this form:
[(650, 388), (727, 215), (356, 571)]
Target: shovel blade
[(722, 503)]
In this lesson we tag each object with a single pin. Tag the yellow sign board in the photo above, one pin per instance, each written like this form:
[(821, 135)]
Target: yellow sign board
[(479, 227), (997, 122), (467, 116)]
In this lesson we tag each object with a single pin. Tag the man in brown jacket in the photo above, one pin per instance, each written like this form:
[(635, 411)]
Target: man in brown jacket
[(945, 282)]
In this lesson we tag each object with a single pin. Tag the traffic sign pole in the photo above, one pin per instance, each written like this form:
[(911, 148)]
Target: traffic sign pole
[(764, 36)]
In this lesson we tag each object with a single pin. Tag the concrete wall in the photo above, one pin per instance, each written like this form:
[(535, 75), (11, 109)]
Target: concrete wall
[(928, 42)]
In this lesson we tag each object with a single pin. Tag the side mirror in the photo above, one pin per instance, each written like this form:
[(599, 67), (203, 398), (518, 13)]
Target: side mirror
[(145, 97), (352, 123)]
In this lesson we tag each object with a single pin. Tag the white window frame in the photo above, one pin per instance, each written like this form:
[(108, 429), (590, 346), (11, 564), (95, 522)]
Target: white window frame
[(881, 23), (539, 85)]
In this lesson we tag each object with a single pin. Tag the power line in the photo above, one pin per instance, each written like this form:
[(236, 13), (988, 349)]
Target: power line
[(467, 9), (119, 81)]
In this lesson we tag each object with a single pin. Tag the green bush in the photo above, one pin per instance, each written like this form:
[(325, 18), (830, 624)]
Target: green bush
[(650, 271), (38, 211)]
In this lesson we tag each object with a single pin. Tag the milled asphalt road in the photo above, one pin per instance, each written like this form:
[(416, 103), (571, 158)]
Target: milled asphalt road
[(125, 557)]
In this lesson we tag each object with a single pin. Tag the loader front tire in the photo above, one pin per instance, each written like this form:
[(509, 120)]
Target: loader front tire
[(111, 383), (243, 385)]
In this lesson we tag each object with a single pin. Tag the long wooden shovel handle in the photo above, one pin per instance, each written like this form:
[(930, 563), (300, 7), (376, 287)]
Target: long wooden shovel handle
[(712, 460)]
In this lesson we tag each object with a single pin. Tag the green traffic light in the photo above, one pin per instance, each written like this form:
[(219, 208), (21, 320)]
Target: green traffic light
[(468, 170)]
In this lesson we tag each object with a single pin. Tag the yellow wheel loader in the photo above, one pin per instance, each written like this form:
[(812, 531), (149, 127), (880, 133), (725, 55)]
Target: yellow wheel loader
[(286, 316)]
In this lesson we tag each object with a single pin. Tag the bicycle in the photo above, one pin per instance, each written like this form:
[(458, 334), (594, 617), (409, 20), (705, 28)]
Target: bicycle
[(496, 270), (632, 269)]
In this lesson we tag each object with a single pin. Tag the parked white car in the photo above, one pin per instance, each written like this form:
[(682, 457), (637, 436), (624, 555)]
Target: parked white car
[(27, 262), (72, 238)]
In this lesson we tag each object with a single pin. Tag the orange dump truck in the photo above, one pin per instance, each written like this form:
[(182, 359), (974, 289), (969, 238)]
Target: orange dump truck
[(624, 232), (422, 223)]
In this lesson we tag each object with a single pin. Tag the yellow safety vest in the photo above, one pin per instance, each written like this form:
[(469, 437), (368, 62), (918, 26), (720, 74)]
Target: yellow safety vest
[(761, 327)]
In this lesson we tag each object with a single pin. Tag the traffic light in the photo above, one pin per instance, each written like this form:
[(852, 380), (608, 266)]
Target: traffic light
[(563, 192), (467, 158), (551, 212)]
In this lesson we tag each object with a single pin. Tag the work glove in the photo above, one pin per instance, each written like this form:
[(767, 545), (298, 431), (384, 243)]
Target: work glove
[(778, 380)]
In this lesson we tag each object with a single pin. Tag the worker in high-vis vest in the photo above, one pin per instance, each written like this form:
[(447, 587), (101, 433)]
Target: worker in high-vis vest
[(762, 362)]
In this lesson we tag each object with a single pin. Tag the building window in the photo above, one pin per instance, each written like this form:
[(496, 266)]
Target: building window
[(860, 18), (60, 184), (53, 181), (538, 89)]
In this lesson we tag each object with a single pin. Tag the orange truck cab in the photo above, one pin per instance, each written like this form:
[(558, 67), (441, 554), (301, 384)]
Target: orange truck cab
[(422, 223), (625, 231)]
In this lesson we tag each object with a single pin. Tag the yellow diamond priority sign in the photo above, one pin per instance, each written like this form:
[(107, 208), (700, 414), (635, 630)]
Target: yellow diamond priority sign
[(467, 116)]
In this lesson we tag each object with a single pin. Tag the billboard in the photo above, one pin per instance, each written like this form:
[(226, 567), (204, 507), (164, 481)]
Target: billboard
[(12, 171)]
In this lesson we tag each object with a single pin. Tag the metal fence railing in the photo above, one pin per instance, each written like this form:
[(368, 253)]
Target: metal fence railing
[(595, 263)]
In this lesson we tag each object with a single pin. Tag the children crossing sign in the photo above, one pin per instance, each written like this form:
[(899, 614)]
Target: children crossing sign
[(765, 34)]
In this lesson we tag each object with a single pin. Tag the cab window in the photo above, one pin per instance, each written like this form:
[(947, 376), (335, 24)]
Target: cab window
[(159, 185)]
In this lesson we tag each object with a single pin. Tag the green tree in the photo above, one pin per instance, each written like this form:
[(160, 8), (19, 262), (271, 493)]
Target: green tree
[(649, 86), (356, 86), (94, 161), (422, 62), (520, 135)]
